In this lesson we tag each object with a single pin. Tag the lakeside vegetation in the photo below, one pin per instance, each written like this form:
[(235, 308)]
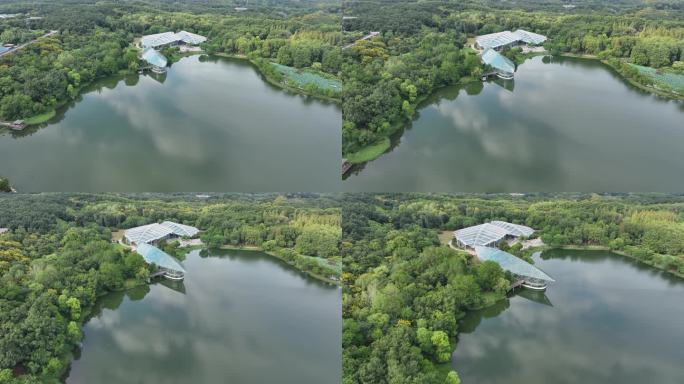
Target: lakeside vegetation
[(59, 257), (5, 185), (423, 46), (95, 40), (404, 292)]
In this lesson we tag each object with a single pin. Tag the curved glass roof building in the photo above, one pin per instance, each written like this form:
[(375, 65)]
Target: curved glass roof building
[(511, 263), (498, 61), (161, 259), (154, 58)]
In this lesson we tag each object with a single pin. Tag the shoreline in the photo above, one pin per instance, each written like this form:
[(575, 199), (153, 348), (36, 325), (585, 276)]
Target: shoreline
[(650, 89), (275, 255), (358, 157), (273, 81), (446, 367), (131, 284), (52, 112), (386, 141), (619, 253)]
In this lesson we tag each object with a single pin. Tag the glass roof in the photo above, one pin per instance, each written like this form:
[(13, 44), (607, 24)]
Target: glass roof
[(529, 37), (497, 61), (153, 232), (190, 38), (153, 57), (495, 40), (511, 263), (154, 255), (483, 234), (181, 229), (490, 233), (500, 39), (159, 39), (514, 229), (147, 233)]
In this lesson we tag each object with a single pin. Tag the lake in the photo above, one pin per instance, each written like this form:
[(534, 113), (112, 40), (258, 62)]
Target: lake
[(606, 319), (238, 317), (210, 123), (564, 124)]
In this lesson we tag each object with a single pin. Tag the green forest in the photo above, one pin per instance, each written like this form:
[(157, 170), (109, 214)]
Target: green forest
[(59, 256), (95, 40), (423, 46), (404, 291)]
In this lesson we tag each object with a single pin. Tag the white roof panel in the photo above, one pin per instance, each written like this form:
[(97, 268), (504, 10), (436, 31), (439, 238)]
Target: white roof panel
[(181, 229), (190, 38), (529, 37), (500, 39), (153, 232), (514, 229), (159, 39), (147, 233), (483, 234)]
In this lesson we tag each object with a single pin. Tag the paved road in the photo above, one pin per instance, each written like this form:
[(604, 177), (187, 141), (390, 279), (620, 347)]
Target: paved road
[(18, 47)]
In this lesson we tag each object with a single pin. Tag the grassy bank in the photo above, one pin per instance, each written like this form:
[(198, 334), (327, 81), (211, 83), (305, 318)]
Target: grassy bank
[(41, 118), (370, 152), (618, 252), (292, 263), (654, 90), (270, 77)]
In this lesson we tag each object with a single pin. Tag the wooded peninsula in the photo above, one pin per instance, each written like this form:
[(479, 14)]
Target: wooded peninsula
[(423, 46)]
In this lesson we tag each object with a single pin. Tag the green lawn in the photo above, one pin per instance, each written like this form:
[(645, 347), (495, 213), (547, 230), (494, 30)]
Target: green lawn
[(38, 119), (370, 152)]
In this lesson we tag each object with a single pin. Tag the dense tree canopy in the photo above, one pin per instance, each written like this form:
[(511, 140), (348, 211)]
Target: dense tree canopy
[(59, 257), (404, 292), (95, 39)]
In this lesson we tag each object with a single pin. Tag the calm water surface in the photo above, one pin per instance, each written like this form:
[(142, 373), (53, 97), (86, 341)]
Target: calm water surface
[(209, 124), (606, 319), (564, 125), (238, 317)]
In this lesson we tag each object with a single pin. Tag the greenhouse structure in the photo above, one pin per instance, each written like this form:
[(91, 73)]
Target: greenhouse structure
[(503, 67), (504, 39), (490, 234), (525, 273), (153, 233), (155, 59), (516, 230), (170, 39), (166, 265)]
